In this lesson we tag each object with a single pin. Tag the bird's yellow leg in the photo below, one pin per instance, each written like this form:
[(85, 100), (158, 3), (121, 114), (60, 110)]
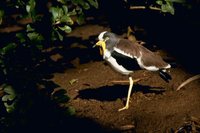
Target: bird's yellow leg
[(129, 93)]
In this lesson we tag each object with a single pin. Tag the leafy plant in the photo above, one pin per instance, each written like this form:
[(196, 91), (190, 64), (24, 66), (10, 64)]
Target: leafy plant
[(22, 56), (9, 98), (165, 6), (168, 5), (50, 21), (62, 15)]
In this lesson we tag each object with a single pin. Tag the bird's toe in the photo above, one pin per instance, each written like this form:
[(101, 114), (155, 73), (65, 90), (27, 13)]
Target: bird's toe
[(124, 108)]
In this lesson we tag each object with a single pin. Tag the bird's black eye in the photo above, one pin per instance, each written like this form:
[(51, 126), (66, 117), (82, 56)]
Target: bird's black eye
[(106, 38)]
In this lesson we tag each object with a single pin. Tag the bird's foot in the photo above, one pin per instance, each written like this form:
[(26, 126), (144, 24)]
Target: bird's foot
[(125, 107)]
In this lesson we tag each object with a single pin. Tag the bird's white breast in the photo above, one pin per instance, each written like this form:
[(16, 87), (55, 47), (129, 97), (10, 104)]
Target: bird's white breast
[(112, 61)]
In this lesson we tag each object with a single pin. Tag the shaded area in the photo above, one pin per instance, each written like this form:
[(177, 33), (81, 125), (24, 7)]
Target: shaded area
[(43, 115), (73, 48), (37, 110), (111, 93)]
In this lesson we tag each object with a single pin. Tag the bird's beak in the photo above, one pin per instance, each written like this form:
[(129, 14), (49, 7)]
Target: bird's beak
[(101, 44)]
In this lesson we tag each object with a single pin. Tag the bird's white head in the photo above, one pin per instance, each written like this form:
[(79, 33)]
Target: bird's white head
[(102, 42), (101, 35), (106, 41)]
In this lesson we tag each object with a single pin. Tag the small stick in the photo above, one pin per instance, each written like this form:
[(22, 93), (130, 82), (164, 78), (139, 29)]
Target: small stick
[(188, 81), (127, 127), (125, 81), (143, 7)]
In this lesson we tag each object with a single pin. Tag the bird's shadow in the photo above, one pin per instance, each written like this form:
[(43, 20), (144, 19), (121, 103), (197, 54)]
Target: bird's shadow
[(111, 93)]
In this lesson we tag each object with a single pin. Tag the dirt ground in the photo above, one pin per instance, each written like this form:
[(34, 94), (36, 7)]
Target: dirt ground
[(155, 105)]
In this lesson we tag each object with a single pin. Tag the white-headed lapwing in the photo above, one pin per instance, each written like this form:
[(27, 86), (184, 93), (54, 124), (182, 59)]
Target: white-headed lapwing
[(122, 53)]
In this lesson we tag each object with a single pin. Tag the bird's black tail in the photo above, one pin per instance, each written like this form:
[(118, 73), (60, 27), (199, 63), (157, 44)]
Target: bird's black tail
[(164, 75)]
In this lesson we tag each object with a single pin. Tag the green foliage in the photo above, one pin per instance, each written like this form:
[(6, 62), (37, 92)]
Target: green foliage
[(9, 99), (60, 96), (22, 56), (62, 15), (168, 5)]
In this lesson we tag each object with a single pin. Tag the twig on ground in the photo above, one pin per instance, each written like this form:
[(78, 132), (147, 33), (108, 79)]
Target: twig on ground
[(127, 127), (125, 81), (188, 81)]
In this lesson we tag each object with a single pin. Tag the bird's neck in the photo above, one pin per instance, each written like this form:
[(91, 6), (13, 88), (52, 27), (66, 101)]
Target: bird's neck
[(112, 43), (106, 54)]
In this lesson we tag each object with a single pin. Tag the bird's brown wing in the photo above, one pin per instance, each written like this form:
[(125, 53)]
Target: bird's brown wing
[(136, 50), (150, 58), (128, 47)]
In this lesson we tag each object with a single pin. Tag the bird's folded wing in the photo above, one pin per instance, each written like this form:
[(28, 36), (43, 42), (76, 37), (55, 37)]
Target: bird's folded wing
[(135, 50), (150, 58), (127, 48)]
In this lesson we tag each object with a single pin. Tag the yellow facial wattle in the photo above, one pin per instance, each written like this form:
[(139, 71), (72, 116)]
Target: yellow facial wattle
[(102, 44)]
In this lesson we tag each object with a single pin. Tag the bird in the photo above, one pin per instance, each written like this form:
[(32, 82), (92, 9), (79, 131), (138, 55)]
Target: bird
[(123, 55)]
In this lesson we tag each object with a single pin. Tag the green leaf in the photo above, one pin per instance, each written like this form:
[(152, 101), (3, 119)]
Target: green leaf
[(94, 3), (60, 96), (71, 111), (159, 2), (62, 1), (168, 7), (8, 48), (59, 35), (79, 10), (65, 9), (176, 1), (21, 37), (30, 6), (67, 19), (66, 29), (55, 12), (39, 46), (9, 90), (72, 13), (81, 19), (34, 36), (86, 6), (29, 28), (7, 98), (60, 13), (10, 107)]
